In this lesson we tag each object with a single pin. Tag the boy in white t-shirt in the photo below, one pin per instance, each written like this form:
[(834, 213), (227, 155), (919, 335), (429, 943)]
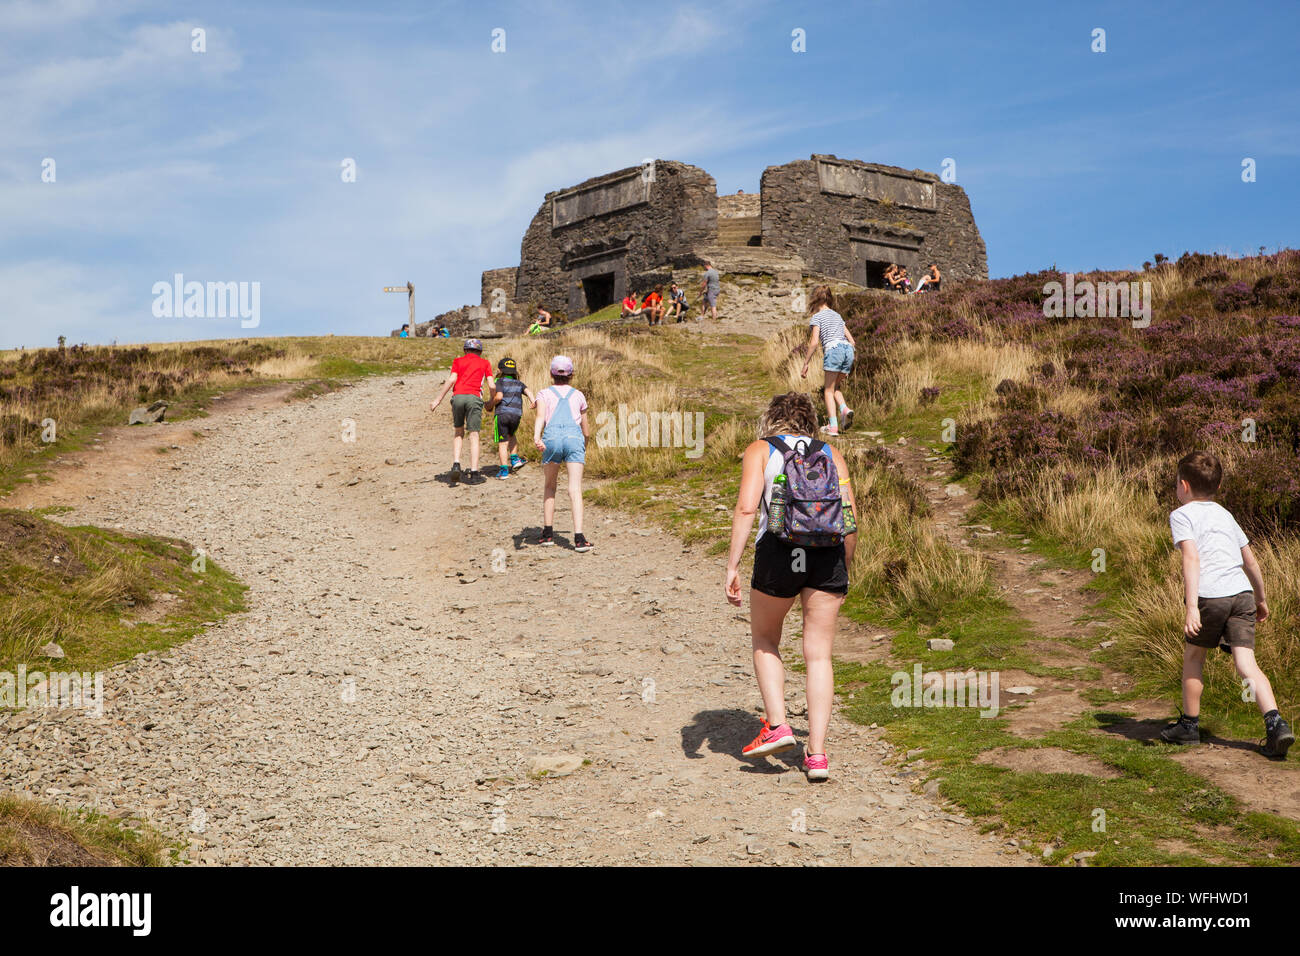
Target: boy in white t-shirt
[(1224, 595)]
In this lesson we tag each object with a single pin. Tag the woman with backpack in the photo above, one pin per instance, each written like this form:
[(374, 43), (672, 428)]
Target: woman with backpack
[(798, 487)]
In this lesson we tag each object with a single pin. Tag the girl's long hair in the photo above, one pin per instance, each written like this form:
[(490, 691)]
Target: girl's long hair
[(821, 297), (790, 414)]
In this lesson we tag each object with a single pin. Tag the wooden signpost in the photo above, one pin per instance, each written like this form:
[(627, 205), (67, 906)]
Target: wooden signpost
[(409, 289)]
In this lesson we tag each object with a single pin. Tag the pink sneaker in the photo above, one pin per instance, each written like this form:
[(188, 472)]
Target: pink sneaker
[(816, 766), (770, 740)]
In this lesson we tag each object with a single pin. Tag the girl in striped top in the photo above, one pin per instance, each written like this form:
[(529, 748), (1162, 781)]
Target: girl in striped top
[(829, 331)]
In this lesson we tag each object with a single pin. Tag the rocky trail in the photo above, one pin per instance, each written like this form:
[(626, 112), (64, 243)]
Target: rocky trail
[(417, 681)]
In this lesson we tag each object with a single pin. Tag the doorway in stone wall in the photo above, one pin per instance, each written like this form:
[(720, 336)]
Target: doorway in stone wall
[(598, 290), (875, 274)]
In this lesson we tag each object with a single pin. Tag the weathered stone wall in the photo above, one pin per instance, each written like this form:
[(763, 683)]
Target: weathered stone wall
[(845, 218), (738, 206), (498, 288), (600, 235)]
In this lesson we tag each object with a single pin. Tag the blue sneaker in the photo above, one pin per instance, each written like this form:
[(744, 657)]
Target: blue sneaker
[(503, 472)]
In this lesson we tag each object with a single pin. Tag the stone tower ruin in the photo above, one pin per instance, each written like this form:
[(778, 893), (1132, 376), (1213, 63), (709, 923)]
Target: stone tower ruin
[(823, 217)]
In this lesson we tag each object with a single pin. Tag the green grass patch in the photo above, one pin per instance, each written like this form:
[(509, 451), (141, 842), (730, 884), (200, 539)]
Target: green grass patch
[(35, 834), (101, 595)]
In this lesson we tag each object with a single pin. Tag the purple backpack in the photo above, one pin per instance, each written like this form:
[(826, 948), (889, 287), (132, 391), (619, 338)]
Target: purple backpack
[(814, 513)]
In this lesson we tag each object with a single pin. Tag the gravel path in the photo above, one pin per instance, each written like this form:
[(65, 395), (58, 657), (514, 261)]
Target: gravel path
[(409, 653)]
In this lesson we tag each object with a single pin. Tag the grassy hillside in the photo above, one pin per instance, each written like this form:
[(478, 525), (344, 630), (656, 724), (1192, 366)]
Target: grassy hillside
[(1065, 429), (1071, 428)]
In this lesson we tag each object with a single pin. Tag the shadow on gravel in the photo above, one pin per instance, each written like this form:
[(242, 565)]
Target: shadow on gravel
[(445, 479), (725, 732), (530, 536)]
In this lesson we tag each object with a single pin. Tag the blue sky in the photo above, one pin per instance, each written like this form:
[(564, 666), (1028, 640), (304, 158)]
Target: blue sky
[(225, 165)]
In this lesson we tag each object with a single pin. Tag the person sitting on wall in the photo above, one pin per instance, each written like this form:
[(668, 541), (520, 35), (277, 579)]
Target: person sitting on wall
[(892, 279), (653, 307), (904, 280), (677, 302), (931, 279), (543, 317), (630, 308)]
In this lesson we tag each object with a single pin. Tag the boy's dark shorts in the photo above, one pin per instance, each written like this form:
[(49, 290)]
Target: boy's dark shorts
[(774, 574), (467, 412), (506, 427), (1226, 622)]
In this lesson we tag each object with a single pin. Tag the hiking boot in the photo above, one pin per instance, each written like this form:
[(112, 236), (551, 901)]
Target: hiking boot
[(1279, 739), (1181, 731), (455, 473), (770, 740)]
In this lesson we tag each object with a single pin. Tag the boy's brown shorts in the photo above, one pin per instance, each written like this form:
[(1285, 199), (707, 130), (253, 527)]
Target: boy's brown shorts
[(1226, 622)]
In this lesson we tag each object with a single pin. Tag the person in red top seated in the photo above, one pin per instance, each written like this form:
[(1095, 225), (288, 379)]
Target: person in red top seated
[(630, 307), (653, 306), (467, 376)]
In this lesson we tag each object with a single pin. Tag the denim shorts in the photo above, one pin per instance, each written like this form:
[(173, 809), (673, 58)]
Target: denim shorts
[(838, 358), (565, 448)]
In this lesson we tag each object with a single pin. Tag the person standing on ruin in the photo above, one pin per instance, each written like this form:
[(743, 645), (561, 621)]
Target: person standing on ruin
[(710, 287)]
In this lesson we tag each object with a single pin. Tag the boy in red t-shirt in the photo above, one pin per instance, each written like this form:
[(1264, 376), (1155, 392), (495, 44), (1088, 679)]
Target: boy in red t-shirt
[(467, 376)]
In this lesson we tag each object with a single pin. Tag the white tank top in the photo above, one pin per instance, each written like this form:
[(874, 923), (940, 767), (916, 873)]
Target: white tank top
[(775, 462)]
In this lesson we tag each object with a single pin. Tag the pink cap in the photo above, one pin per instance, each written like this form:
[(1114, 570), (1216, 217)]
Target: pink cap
[(561, 365)]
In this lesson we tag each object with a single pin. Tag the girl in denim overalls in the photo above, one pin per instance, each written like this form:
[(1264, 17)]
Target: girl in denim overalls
[(560, 434)]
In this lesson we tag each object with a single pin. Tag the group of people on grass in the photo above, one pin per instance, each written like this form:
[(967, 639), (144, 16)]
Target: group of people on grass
[(797, 490), (440, 332), (897, 279), (654, 308)]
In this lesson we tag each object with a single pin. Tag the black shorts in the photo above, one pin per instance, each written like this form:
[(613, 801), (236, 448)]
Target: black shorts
[(1227, 622), (780, 572), (506, 427)]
